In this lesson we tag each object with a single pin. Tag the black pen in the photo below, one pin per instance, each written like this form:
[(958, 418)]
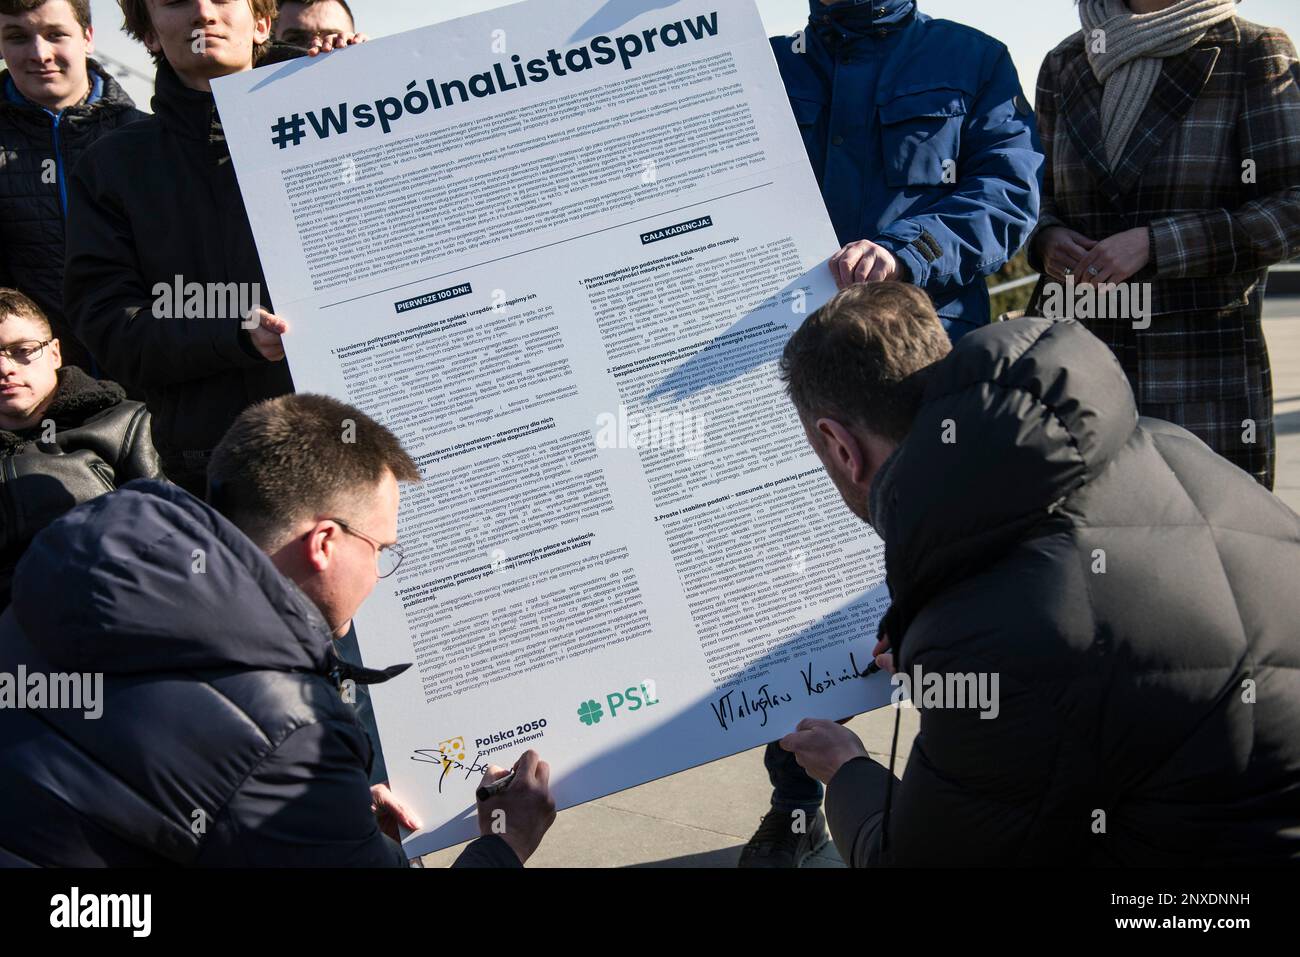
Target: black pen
[(487, 791), (873, 667)]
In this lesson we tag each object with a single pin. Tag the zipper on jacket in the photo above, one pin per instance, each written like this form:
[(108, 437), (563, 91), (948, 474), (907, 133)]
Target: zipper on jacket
[(63, 200), (58, 167), (8, 502), (105, 474)]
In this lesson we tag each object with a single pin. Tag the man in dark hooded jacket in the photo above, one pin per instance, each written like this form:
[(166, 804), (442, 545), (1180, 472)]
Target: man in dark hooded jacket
[(926, 153), (1131, 598), (220, 735), (54, 102)]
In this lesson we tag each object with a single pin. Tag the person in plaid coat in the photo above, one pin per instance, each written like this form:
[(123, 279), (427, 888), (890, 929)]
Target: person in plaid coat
[(1201, 199)]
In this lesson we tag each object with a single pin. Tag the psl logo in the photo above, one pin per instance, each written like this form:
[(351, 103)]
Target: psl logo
[(633, 699)]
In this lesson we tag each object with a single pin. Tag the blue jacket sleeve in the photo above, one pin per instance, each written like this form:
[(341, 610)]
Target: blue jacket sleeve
[(973, 230)]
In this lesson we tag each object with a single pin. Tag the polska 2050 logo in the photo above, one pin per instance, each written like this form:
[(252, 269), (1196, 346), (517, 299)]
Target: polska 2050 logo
[(630, 699)]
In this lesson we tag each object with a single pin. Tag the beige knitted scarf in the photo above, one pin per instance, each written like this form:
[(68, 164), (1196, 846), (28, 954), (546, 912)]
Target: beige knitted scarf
[(1125, 55)]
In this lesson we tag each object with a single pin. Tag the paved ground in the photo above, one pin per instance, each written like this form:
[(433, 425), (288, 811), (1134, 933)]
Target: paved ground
[(698, 818), (702, 817)]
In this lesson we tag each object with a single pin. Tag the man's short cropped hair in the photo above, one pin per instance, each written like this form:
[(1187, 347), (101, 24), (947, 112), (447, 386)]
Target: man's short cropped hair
[(80, 9), (312, 3), (297, 457), (14, 303), (136, 21), (861, 358)]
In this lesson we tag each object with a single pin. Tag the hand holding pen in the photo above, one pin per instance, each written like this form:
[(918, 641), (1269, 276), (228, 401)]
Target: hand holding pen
[(517, 805), (882, 657)]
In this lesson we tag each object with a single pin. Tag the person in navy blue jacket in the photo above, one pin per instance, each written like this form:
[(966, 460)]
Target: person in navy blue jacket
[(211, 725), (927, 155), (924, 146)]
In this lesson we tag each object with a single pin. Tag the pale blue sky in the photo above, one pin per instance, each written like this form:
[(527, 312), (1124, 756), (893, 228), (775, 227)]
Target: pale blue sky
[(1028, 27)]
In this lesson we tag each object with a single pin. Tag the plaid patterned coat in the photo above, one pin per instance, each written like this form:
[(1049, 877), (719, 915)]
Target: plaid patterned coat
[(1213, 169)]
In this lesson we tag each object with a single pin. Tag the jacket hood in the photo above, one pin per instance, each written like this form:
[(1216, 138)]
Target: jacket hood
[(112, 95), (149, 578), (1016, 418), (853, 19)]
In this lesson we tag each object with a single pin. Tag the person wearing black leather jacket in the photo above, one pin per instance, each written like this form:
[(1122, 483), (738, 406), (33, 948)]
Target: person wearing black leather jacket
[(65, 438)]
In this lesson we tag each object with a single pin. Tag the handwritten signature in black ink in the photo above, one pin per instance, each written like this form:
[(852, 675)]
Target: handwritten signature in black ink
[(439, 756)]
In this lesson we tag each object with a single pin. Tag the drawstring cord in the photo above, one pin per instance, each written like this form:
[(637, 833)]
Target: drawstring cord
[(889, 786)]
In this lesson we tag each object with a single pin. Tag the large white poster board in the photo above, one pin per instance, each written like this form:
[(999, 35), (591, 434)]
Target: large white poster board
[(557, 247)]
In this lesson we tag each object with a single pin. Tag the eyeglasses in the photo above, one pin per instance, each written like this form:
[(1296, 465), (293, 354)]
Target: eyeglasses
[(387, 557), (24, 352)]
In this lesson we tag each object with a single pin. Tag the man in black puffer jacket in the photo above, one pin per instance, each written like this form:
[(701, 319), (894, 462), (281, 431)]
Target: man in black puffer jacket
[(54, 102), (222, 737), (64, 437), (1131, 599)]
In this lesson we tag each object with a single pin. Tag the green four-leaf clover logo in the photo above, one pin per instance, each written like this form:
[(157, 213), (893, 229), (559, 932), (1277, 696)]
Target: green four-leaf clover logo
[(590, 712)]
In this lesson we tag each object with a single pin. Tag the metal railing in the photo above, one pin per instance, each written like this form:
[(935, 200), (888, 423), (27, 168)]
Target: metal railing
[(1013, 284), (1026, 280)]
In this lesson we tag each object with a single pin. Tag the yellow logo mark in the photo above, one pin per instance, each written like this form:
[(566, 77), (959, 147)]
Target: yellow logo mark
[(452, 750)]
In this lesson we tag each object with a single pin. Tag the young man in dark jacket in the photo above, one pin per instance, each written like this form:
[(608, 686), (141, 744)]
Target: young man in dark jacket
[(164, 284), (54, 102), (1095, 614), (223, 736), (64, 437)]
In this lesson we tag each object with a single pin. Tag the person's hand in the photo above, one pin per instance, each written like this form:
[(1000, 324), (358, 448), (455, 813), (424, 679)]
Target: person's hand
[(1062, 250), (392, 812), (863, 261), (266, 334), (334, 41), (884, 655), (822, 747), (522, 813), (1117, 257)]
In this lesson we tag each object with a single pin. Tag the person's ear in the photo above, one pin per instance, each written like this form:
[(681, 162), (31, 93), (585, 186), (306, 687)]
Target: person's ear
[(151, 42), (56, 353), (262, 30), (90, 40), (843, 448), (321, 543)]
